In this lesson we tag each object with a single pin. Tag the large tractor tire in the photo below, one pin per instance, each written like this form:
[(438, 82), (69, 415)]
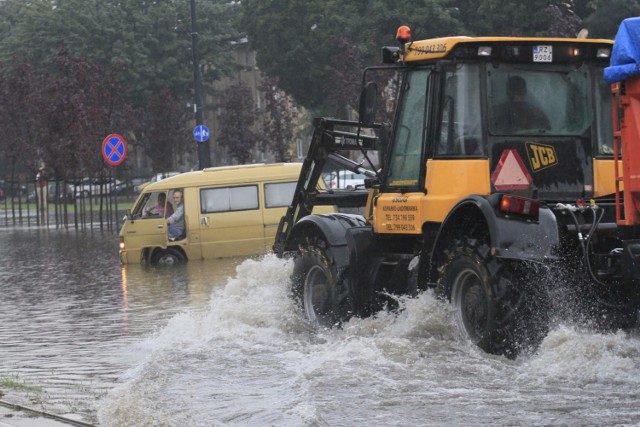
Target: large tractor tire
[(319, 288), (497, 305)]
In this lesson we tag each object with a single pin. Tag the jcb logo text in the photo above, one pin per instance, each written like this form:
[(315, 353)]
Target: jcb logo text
[(541, 156)]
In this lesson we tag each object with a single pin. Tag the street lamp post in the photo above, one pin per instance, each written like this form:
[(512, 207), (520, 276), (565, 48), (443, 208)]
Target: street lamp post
[(204, 154)]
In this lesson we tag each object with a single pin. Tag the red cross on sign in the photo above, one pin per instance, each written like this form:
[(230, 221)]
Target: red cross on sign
[(114, 149), (511, 173)]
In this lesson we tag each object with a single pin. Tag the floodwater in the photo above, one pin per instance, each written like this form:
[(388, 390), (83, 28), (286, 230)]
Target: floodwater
[(221, 344)]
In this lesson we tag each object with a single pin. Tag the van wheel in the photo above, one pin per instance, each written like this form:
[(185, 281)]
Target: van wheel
[(495, 306), (167, 256), (319, 289)]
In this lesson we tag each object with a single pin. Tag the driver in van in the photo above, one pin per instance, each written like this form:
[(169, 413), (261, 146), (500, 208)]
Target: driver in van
[(176, 220), (161, 208)]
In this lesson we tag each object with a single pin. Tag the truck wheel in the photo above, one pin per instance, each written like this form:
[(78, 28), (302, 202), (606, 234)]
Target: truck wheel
[(495, 306), (319, 289), (167, 256)]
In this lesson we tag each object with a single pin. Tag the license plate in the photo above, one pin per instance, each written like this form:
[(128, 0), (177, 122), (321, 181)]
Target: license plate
[(543, 53)]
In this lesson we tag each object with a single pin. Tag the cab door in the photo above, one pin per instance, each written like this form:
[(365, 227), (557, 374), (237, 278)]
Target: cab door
[(398, 207), (145, 227), (231, 221)]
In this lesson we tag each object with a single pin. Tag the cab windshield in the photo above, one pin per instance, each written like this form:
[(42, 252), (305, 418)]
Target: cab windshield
[(542, 100)]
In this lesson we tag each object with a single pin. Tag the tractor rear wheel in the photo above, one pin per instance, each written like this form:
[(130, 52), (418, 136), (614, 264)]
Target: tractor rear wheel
[(496, 306)]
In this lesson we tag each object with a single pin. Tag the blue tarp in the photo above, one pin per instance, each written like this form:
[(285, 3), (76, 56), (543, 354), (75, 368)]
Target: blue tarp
[(625, 57)]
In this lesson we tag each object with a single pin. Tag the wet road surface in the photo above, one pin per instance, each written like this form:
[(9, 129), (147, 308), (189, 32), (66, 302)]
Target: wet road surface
[(221, 343)]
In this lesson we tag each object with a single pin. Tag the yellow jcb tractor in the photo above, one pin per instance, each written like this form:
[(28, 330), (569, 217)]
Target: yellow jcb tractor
[(495, 183)]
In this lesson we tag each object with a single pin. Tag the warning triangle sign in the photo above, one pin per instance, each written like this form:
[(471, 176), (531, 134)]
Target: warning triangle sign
[(511, 173)]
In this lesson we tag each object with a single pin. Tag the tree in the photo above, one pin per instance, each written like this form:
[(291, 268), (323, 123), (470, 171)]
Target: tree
[(150, 42), (59, 116), (237, 120), (277, 122), (342, 86), (564, 21), (301, 42), (153, 39), (167, 134), (77, 106), (315, 32), (605, 20), (18, 121)]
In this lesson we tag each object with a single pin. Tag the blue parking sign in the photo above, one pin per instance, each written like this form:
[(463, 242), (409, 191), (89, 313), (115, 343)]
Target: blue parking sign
[(201, 133)]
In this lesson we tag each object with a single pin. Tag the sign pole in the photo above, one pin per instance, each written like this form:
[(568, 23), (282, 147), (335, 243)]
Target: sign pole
[(204, 155)]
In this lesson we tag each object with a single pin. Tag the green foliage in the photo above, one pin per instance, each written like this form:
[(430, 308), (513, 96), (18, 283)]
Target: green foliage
[(147, 42), (18, 131), (152, 39), (63, 63), (506, 18), (15, 384), (606, 19), (166, 133), (59, 115), (298, 41), (277, 122), (236, 122)]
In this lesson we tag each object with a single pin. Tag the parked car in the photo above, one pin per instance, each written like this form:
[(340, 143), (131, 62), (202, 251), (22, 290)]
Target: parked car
[(95, 187), (60, 192), (155, 178), (13, 189), (344, 179)]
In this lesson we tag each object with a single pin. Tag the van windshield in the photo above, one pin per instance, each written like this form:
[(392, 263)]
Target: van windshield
[(153, 205)]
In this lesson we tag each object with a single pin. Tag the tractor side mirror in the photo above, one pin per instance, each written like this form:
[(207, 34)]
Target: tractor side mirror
[(368, 101)]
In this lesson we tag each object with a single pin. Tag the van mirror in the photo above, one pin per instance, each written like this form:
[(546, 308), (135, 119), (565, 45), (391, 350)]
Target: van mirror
[(127, 215), (368, 101)]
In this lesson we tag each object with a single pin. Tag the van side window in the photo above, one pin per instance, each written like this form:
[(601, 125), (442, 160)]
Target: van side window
[(229, 199), (279, 195)]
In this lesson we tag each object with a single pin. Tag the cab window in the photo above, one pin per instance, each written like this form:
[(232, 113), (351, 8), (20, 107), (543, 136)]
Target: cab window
[(228, 199), (460, 126), (542, 100)]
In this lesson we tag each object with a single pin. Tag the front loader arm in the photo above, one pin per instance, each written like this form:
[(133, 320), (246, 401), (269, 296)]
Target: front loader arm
[(327, 140)]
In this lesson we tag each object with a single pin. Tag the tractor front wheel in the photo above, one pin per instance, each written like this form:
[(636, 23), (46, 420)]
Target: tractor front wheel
[(319, 288)]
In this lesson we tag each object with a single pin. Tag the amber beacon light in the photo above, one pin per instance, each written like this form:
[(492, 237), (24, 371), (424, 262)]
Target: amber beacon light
[(403, 35)]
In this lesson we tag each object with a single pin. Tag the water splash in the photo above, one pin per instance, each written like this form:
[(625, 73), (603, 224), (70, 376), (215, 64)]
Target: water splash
[(250, 358)]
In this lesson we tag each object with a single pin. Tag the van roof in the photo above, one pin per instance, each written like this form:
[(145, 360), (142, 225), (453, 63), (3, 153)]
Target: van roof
[(229, 175)]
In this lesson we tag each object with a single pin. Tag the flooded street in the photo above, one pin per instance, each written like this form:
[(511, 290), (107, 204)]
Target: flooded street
[(72, 318), (220, 343)]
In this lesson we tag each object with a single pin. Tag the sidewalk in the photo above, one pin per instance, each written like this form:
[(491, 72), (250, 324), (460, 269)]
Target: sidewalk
[(17, 418)]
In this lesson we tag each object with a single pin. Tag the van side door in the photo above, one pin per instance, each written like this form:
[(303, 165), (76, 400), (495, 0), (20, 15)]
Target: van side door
[(231, 221)]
